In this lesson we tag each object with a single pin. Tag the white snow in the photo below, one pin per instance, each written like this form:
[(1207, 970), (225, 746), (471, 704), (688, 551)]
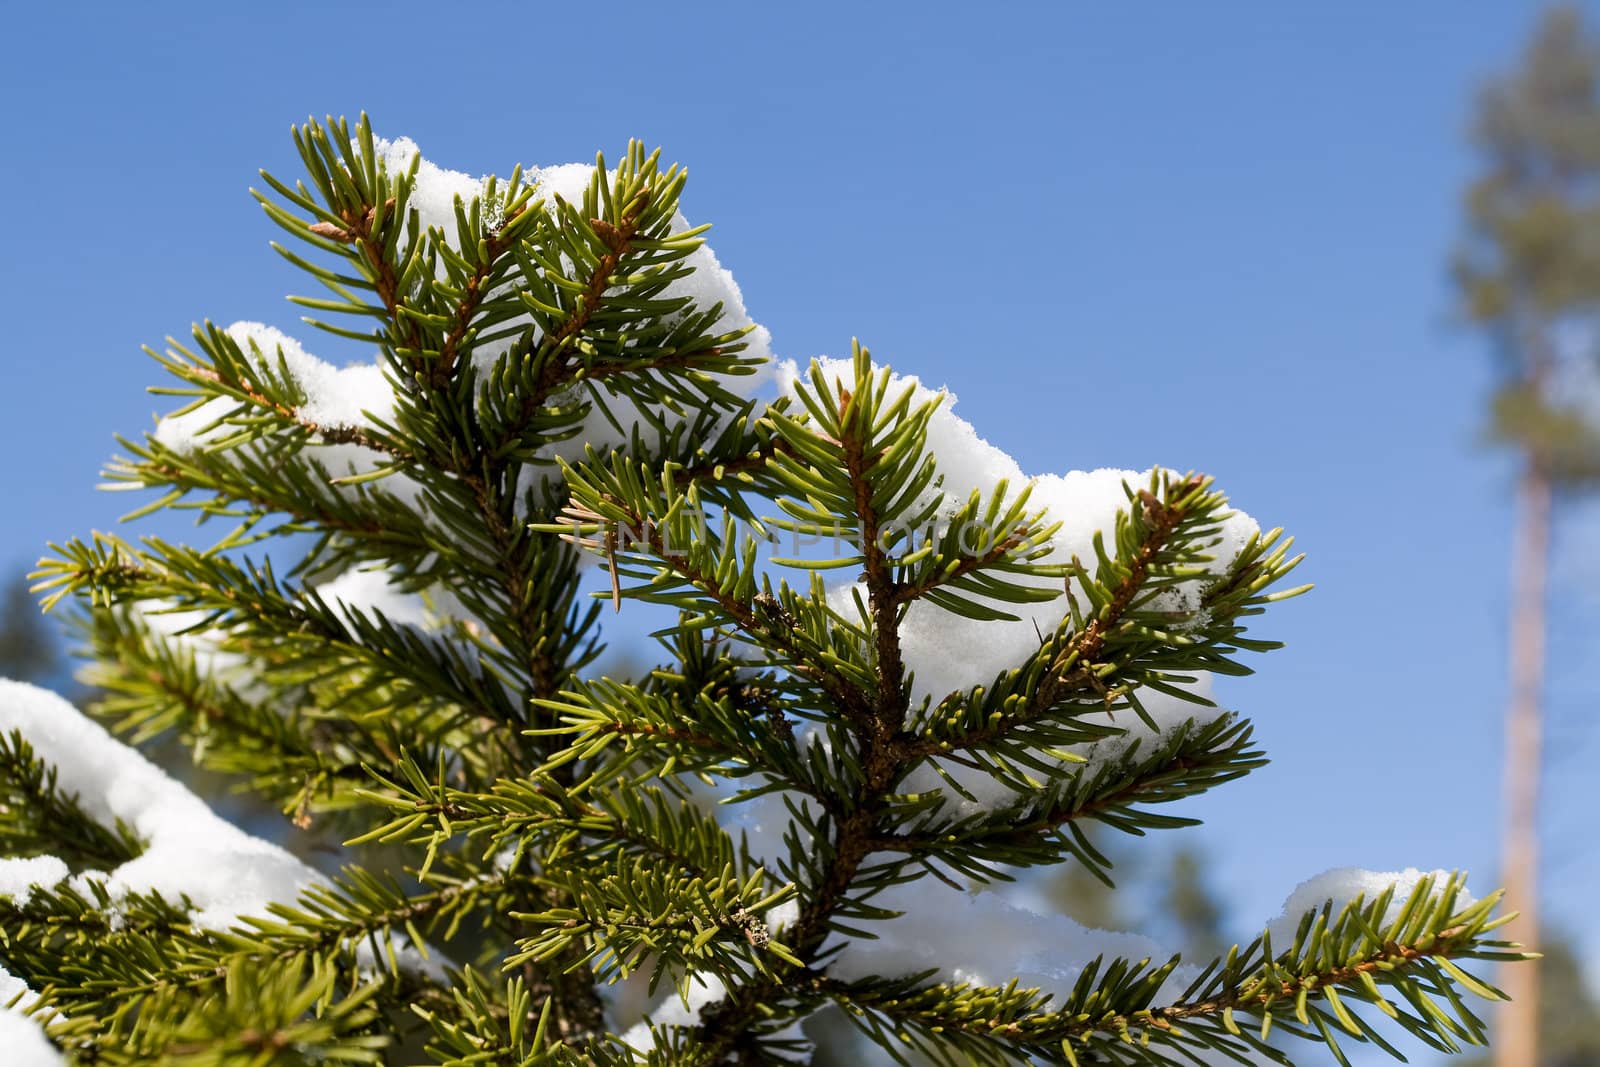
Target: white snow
[(436, 189), (18, 877), (371, 589), (948, 652), (24, 1041), (22, 1036), (566, 180), (784, 915), (191, 430), (675, 1010), (1342, 885), (978, 938)]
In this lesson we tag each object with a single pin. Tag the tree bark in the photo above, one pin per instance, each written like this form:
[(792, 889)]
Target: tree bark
[(1517, 1036)]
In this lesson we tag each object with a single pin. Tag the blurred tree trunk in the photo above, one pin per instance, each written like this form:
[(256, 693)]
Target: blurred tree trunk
[(1517, 1042)]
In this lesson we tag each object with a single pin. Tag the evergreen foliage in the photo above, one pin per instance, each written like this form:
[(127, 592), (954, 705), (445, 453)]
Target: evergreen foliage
[(1529, 271), (554, 823)]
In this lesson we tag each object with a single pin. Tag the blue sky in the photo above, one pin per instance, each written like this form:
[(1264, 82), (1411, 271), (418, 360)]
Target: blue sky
[(1124, 235)]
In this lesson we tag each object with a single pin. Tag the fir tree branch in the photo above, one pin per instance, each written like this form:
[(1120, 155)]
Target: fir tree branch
[(523, 816), (1075, 668), (882, 590), (714, 471), (555, 370), (761, 627), (202, 472), (1114, 792), (855, 833), (1337, 962), (962, 566), (494, 247), (152, 685), (359, 219), (556, 835), (329, 434), (269, 1012), (265, 614)]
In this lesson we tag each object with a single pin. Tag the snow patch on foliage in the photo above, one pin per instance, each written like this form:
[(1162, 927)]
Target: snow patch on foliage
[(1342, 885), (783, 915), (675, 1010), (19, 877), (708, 284), (335, 397), (966, 460), (192, 430), (435, 190), (189, 850), (341, 398), (949, 653), (613, 417), (684, 1010), (977, 938), (980, 939), (22, 1036), (372, 590)]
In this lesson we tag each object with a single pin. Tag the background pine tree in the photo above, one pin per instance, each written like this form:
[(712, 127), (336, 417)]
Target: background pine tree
[(29, 649), (1569, 1013), (1529, 275)]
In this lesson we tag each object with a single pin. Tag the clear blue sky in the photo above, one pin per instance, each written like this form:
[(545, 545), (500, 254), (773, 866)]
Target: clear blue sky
[(1208, 236)]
